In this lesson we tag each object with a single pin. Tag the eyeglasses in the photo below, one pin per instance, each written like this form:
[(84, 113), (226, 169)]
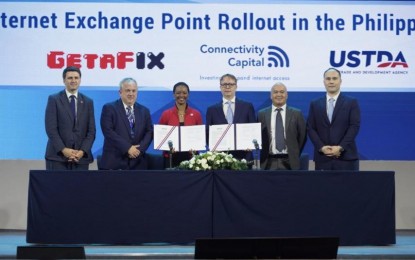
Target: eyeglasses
[(228, 85)]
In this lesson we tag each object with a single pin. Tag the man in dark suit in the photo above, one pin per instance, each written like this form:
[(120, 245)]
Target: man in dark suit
[(127, 129), (230, 110), (293, 132), (333, 124), (70, 126)]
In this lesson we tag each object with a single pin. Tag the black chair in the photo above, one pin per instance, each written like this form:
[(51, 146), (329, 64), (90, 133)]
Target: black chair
[(267, 248), (50, 252)]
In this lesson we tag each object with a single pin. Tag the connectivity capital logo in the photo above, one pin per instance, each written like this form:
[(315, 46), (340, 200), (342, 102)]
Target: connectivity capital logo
[(246, 56), (120, 60), (277, 57)]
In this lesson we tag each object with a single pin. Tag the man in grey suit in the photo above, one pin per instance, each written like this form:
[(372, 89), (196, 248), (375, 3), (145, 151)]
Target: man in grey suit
[(70, 126), (281, 144)]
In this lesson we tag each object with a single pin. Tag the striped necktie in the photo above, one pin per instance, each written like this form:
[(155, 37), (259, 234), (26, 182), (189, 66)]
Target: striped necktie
[(130, 117)]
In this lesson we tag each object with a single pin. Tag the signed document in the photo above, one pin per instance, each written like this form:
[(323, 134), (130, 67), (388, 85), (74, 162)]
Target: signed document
[(182, 138), (234, 136), (246, 134), (193, 138), (163, 134), (222, 137)]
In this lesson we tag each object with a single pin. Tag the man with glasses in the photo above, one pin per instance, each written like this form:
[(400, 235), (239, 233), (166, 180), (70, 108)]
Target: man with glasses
[(230, 110)]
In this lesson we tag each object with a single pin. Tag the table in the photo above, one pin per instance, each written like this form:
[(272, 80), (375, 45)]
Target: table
[(136, 207)]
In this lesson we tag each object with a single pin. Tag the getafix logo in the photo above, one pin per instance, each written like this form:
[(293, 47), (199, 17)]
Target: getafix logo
[(120, 60)]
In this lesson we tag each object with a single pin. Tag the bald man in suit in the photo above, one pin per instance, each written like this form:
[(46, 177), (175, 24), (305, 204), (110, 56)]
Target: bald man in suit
[(333, 124), (70, 127), (293, 136), (242, 111), (127, 129)]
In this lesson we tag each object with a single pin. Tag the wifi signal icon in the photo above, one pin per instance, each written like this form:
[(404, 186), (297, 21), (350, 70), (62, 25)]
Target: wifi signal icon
[(277, 57)]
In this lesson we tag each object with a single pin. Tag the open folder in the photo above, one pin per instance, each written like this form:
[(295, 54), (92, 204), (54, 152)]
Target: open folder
[(234, 136), (181, 138)]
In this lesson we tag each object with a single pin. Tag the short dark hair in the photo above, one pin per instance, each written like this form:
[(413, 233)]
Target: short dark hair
[(227, 75), (71, 68), (338, 71), (181, 84)]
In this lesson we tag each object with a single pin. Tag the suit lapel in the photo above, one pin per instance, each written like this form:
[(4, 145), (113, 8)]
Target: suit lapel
[(80, 112), (122, 113), (219, 109), (238, 111), (137, 118), (323, 107), (65, 103), (268, 114), (337, 107), (236, 115), (288, 118)]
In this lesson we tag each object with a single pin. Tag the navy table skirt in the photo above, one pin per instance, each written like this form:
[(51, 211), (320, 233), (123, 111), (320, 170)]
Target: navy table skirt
[(135, 207)]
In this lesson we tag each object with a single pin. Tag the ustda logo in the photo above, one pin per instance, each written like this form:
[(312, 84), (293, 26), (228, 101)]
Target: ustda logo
[(353, 59)]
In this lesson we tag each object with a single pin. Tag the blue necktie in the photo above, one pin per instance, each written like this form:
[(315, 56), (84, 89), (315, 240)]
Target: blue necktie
[(279, 132), (330, 109), (73, 106), (130, 117), (229, 112)]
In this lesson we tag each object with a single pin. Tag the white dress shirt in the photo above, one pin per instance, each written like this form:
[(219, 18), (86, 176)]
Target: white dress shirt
[(225, 105), (334, 102)]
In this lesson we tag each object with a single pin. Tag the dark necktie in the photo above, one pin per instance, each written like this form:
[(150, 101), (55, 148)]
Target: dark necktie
[(279, 132), (73, 106), (130, 117)]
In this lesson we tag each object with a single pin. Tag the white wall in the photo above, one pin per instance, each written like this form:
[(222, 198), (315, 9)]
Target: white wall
[(14, 180)]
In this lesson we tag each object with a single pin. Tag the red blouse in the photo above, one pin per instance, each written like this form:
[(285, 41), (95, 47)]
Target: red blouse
[(171, 117)]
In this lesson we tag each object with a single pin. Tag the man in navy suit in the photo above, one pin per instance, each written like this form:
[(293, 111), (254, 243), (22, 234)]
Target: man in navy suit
[(333, 124), (127, 129), (70, 126), (241, 111), (293, 131)]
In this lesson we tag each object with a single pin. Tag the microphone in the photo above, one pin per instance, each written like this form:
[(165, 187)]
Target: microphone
[(250, 163), (170, 143), (255, 144), (256, 164)]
